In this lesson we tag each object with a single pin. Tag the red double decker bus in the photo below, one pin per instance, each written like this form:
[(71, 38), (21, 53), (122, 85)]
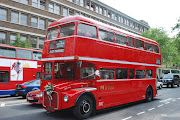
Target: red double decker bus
[(88, 66), (17, 65)]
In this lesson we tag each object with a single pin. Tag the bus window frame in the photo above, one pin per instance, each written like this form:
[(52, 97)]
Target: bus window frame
[(50, 29), (66, 24), (81, 22), (8, 76), (108, 30)]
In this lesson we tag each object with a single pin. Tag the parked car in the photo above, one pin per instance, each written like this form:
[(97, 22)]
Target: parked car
[(171, 79), (23, 89), (159, 85), (33, 97)]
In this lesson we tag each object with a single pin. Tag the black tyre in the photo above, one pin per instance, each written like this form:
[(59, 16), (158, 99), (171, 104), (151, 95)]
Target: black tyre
[(83, 108), (172, 85), (24, 96), (178, 85), (149, 94)]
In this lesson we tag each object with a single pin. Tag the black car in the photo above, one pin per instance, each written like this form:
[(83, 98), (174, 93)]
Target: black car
[(171, 79)]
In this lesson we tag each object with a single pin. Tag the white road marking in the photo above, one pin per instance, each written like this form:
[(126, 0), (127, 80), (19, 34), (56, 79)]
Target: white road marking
[(167, 102), (2, 105), (127, 118), (178, 98), (151, 109), (163, 115), (141, 113), (160, 105)]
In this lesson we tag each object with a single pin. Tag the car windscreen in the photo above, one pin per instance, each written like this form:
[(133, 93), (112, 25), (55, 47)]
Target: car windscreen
[(167, 77), (29, 82)]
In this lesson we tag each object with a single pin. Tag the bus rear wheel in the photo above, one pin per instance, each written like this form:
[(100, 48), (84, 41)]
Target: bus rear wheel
[(149, 94), (84, 107)]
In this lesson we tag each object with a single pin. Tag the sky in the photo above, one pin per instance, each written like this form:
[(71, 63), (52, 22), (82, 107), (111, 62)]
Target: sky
[(158, 13)]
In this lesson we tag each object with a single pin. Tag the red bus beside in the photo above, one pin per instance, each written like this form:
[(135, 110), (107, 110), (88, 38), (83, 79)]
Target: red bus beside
[(88, 66), (17, 65)]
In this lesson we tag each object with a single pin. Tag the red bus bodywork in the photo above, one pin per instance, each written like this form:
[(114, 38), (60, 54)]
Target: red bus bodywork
[(101, 55), (29, 69)]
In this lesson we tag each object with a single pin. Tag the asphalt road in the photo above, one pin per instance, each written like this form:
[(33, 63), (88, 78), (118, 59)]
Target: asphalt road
[(164, 107)]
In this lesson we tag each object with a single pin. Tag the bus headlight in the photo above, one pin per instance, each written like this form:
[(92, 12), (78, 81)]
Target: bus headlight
[(66, 98), (40, 94)]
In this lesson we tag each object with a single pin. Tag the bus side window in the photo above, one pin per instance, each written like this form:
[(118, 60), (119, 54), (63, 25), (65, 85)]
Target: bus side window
[(155, 49), (130, 40), (86, 31), (148, 47), (131, 73), (149, 73), (121, 73), (4, 76), (106, 73), (139, 44), (121, 39), (140, 73), (106, 35)]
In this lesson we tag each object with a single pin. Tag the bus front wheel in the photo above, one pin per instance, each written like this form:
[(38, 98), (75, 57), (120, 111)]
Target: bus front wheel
[(84, 107), (149, 94)]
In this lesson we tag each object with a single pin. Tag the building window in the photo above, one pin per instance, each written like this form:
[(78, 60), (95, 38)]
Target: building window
[(51, 7), (49, 22), (14, 17), (23, 38), (33, 42), (23, 19), (122, 20), (3, 14), (100, 10), (109, 14), (105, 12), (88, 4), (92, 6), (2, 37), (57, 9), (77, 13), (12, 38), (41, 23), (77, 2), (70, 0), (115, 18), (82, 3), (42, 4), (71, 12), (22, 1), (34, 21), (41, 43), (35, 3), (65, 12), (97, 9)]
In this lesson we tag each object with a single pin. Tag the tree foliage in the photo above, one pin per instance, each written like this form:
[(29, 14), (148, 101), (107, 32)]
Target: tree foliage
[(19, 43), (169, 50)]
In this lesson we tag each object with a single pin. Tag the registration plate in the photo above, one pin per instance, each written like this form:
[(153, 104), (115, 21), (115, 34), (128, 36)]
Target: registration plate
[(19, 88), (30, 98)]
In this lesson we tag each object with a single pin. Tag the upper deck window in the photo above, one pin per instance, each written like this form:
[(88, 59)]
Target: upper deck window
[(138, 44), (24, 54), (37, 55), (52, 33), (7, 52), (155, 49), (106, 35), (121, 39), (148, 47), (67, 30), (86, 31), (130, 40), (106, 73)]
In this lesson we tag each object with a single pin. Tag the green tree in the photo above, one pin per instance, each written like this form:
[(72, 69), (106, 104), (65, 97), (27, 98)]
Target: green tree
[(177, 27), (167, 45), (19, 43)]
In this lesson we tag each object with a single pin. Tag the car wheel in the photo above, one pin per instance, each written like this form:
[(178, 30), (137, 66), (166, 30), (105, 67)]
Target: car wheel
[(178, 85), (149, 94), (172, 85), (84, 107), (24, 96), (160, 86)]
